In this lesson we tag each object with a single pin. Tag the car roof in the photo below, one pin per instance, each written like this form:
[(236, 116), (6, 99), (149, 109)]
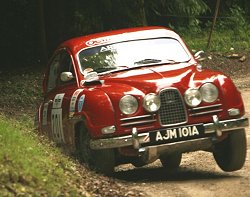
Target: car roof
[(77, 44)]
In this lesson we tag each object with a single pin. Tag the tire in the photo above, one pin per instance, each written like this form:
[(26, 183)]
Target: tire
[(171, 162), (138, 163), (230, 154), (102, 161)]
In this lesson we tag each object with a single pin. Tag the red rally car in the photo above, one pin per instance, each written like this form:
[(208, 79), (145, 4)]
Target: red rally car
[(137, 95)]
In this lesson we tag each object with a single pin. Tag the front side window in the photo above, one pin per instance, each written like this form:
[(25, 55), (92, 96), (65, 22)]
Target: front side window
[(61, 62), (132, 54)]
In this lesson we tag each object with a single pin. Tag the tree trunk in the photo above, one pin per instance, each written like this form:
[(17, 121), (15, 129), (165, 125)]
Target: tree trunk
[(42, 32)]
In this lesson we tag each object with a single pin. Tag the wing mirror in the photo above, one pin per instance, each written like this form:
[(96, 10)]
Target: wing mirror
[(66, 76), (200, 55)]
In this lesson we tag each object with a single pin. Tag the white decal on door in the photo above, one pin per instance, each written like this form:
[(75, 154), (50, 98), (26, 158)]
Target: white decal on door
[(80, 103), (73, 102), (56, 125), (58, 101)]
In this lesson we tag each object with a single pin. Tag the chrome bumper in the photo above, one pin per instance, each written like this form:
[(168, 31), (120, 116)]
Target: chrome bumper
[(136, 139)]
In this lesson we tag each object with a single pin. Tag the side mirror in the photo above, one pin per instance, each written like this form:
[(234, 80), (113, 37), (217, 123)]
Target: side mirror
[(200, 55), (66, 76)]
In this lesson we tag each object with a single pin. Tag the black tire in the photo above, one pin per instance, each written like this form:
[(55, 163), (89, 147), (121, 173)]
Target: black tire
[(230, 154), (171, 162), (102, 161), (138, 162)]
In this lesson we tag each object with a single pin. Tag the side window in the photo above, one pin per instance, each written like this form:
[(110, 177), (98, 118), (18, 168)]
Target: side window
[(62, 62), (66, 65)]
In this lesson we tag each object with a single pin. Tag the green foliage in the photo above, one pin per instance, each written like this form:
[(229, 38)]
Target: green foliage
[(222, 41), (184, 12), (68, 19), (236, 24), (233, 31), (188, 7)]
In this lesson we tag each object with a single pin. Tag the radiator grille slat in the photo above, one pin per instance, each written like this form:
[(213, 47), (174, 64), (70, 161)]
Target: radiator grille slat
[(172, 110)]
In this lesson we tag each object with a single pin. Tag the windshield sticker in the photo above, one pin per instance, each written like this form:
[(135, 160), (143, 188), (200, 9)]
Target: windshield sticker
[(73, 102), (45, 113), (80, 103), (106, 40), (98, 41), (58, 101), (107, 48)]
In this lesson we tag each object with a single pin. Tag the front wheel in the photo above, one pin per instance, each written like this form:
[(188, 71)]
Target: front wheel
[(102, 161), (230, 154)]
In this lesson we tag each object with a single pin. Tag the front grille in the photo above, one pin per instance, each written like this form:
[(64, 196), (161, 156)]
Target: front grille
[(172, 110)]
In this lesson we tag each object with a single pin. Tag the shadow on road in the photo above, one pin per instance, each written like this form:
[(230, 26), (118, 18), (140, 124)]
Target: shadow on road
[(161, 174)]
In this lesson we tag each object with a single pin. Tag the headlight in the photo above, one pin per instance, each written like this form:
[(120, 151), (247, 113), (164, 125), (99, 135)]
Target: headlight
[(193, 97), (209, 92), (128, 104), (151, 102)]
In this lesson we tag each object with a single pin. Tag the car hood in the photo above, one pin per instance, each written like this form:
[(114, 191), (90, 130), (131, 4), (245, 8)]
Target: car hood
[(149, 79)]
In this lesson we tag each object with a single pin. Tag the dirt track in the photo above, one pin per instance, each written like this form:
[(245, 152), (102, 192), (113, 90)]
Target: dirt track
[(198, 175)]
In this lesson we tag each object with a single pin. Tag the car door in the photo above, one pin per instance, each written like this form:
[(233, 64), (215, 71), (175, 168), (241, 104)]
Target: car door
[(57, 97)]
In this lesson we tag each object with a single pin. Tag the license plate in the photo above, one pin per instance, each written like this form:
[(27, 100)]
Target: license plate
[(176, 134)]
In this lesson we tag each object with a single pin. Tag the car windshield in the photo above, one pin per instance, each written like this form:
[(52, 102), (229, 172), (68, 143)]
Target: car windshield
[(130, 54)]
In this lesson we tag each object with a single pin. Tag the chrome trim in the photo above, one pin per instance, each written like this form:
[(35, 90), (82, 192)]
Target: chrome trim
[(135, 141), (184, 146), (117, 142), (205, 107), (138, 122), (142, 138), (206, 112), (137, 117), (217, 128), (226, 125)]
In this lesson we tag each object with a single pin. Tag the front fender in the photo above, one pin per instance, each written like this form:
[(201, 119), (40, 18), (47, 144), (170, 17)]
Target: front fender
[(231, 95), (97, 111)]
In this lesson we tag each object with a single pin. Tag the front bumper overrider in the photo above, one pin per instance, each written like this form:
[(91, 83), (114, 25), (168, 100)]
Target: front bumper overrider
[(136, 139)]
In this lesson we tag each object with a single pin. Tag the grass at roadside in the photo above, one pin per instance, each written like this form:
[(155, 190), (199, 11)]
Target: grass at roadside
[(30, 166)]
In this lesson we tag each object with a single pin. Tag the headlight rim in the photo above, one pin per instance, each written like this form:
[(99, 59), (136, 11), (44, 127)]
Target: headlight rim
[(123, 109), (187, 93), (157, 104), (205, 99)]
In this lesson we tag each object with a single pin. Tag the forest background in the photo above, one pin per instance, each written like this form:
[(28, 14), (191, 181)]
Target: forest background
[(31, 30)]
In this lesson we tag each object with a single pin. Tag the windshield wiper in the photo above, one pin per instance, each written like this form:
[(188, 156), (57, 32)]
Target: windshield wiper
[(103, 71), (148, 61), (100, 70), (165, 61)]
